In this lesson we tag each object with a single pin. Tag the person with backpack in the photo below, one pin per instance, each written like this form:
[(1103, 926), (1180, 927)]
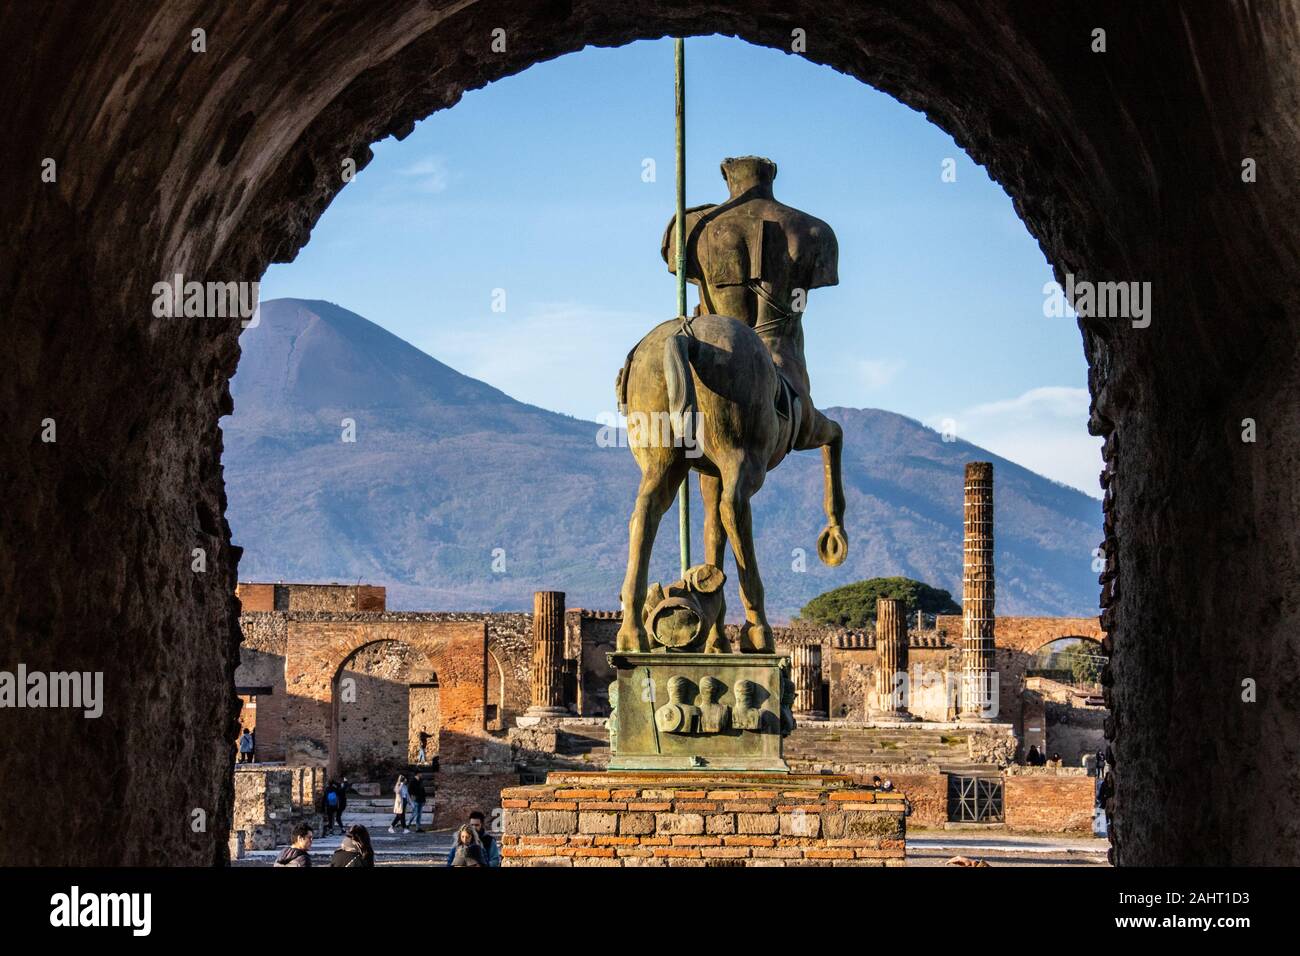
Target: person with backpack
[(296, 854), (356, 849), (246, 747), (418, 796), (401, 794), (332, 807)]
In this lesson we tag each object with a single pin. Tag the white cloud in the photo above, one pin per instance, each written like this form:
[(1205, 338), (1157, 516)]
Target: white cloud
[(430, 174), (878, 373), (1045, 430), (562, 356)]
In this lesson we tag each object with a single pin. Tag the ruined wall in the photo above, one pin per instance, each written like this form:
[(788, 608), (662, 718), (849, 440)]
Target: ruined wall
[(375, 730), (1042, 800), (589, 637), (261, 665), (342, 598)]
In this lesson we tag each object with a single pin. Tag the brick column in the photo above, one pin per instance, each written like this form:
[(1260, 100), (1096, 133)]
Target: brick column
[(979, 690), (548, 655), (891, 659), (806, 672)]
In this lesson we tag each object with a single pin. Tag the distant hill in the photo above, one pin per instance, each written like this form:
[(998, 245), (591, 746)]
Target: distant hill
[(450, 480)]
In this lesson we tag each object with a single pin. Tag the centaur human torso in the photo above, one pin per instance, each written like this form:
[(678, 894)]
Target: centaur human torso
[(733, 382)]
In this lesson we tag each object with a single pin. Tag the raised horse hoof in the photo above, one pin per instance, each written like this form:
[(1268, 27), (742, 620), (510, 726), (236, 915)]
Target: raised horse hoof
[(832, 545), (631, 640)]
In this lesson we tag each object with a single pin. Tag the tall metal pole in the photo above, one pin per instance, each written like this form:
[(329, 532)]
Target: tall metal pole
[(684, 492)]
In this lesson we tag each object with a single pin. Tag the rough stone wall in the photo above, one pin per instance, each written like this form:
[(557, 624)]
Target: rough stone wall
[(261, 664), (928, 794), (271, 801), (311, 597), (1051, 802), (1074, 732), (851, 675), (590, 636), (1126, 166)]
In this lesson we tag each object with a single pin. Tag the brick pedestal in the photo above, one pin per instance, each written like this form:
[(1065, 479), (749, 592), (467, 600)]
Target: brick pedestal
[(667, 819)]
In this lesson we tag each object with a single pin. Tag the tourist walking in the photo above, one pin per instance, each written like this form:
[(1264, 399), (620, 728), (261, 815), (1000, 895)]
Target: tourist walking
[(332, 807), (418, 796), (423, 755), (401, 794), (246, 747), (468, 849), (355, 850), (296, 854), (1034, 758)]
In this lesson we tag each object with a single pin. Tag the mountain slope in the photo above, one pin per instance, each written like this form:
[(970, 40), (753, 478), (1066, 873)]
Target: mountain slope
[(456, 496)]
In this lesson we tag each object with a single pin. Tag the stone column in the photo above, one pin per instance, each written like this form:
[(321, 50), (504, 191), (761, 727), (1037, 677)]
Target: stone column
[(548, 655), (806, 672), (891, 659), (979, 691)]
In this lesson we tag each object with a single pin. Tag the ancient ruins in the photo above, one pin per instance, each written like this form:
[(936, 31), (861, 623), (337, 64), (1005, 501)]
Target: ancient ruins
[(510, 698)]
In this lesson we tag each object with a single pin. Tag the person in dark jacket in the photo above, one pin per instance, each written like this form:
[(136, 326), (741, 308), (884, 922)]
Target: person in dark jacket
[(1034, 758), (415, 787), (467, 850), (355, 849), (297, 853)]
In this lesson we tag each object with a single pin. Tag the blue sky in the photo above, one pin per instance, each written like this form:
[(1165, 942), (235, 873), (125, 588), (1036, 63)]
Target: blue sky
[(534, 185)]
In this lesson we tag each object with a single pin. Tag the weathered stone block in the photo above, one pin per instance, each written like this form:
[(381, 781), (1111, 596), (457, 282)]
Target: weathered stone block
[(801, 824), (521, 821), (720, 823), (757, 822), (636, 824), (557, 821), (688, 823), (597, 821)]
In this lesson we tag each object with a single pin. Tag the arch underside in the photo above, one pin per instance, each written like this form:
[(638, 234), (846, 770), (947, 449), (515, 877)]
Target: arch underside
[(1124, 165)]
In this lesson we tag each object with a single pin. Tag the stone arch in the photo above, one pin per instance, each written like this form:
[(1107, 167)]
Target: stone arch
[(317, 652), (1124, 165), (371, 685)]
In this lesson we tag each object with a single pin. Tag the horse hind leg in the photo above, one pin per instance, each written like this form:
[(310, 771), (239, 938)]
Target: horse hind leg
[(715, 543), (738, 485), (663, 470)]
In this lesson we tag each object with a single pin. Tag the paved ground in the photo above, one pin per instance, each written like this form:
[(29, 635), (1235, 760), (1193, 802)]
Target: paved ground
[(391, 849), (924, 847), (998, 848)]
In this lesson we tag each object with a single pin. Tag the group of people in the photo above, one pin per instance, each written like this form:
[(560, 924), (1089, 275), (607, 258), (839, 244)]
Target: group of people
[(408, 793), (475, 846), (1035, 758)]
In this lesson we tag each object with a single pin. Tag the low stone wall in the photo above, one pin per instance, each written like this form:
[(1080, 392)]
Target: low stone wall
[(647, 819), (1048, 800), (270, 801), (928, 794)]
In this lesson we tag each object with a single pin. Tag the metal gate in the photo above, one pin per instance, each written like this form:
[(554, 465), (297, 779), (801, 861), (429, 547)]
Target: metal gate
[(974, 799)]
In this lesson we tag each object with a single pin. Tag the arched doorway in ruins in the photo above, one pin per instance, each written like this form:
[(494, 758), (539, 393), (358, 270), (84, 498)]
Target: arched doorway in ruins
[(385, 694), (1124, 167)]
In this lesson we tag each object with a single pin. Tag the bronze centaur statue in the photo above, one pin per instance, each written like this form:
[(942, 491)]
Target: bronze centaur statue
[(732, 385)]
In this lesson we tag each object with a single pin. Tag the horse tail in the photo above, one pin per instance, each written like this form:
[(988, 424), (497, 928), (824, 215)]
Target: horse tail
[(681, 387)]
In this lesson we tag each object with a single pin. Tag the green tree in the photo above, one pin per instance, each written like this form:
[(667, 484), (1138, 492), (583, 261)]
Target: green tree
[(854, 605), (1083, 659)]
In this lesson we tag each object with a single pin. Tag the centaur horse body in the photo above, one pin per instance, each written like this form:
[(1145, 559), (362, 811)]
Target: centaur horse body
[(733, 382)]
